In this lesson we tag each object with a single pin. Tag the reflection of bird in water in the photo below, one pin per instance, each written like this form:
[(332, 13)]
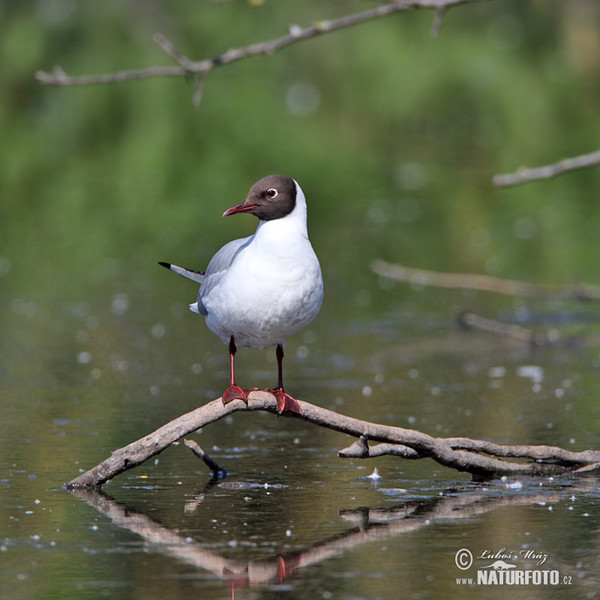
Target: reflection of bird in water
[(260, 289)]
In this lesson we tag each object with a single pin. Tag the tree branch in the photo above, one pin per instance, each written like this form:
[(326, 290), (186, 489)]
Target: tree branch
[(217, 471), (483, 283), (484, 460), (525, 174), (203, 67)]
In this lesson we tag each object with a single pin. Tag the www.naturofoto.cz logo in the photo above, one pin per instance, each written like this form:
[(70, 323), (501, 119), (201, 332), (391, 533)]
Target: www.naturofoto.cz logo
[(507, 567)]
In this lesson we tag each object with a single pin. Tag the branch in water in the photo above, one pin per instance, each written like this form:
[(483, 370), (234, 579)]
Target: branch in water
[(484, 460), (483, 283)]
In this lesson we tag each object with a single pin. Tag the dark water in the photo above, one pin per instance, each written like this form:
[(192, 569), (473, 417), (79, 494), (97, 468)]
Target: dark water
[(292, 520)]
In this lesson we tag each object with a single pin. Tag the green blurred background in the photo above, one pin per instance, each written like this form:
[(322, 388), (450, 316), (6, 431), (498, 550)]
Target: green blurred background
[(394, 136)]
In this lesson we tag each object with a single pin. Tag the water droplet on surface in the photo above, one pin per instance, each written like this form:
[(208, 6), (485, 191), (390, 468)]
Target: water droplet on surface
[(158, 330), (120, 304), (374, 475), (83, 358)]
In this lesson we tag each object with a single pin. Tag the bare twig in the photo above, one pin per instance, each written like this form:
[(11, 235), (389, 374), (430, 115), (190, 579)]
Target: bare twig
[(172, 51), (525, 174), (484, 283), (199, 89), (438, 21), (480, 458), (203, 67), (217, 471)]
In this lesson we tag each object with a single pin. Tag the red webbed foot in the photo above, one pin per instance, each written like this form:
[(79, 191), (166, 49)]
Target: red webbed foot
[(234, 392), (285, 402)]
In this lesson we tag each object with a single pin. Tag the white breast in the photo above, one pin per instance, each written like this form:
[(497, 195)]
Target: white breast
[(272, 287)]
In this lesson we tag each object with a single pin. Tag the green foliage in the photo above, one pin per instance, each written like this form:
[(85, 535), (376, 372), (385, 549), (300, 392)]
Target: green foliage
[(393, 134)]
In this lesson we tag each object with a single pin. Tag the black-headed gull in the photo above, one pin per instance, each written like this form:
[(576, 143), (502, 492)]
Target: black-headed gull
[(260, 289)]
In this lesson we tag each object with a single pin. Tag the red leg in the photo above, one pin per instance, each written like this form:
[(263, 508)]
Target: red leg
[(285, 402), (285, 567), (233, 392)]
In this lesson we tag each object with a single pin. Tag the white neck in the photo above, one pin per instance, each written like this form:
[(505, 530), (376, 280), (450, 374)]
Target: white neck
[(287, 229)]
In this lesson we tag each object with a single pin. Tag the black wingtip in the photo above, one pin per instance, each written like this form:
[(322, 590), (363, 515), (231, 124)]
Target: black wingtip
[(166, 265)]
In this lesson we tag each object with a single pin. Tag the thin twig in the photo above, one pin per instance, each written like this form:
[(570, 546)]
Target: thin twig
[(172, 51), (438, 20), (480, 458), (484, 283), (525, 174), (203, 67), (199, 89), (217, 471)]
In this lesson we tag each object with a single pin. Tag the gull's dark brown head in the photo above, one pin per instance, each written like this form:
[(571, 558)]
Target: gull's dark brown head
[(272, 197)]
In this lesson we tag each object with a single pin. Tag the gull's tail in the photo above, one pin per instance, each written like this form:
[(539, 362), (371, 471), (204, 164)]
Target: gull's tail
[(196, 276)]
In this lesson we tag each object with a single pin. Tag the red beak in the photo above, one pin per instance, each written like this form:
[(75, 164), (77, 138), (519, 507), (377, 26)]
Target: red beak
[(239, 208)]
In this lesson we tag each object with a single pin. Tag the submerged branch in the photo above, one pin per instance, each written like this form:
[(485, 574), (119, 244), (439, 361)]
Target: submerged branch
[(483, 283), (470, 320), (484, 460)]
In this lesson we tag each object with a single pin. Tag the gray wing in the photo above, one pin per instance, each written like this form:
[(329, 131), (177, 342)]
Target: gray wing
[(217, 267)]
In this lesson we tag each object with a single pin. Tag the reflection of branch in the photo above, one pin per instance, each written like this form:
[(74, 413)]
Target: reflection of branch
[(368, 525), (524, 174), (203, 67), (483, 283), (480, 458), (175, 545)]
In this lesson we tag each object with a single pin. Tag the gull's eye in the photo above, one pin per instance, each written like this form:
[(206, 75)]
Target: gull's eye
[(272, 193)]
